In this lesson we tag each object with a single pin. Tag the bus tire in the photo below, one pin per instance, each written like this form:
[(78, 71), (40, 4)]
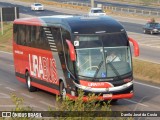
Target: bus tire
[(114, 100), (62, 91), (28, 82)]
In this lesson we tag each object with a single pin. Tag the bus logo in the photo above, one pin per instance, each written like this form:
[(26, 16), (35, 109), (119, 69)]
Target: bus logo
[(43, 68)]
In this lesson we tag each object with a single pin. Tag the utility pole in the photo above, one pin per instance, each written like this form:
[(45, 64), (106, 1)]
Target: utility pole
[(92, 3), (15, 12), (1, 21)]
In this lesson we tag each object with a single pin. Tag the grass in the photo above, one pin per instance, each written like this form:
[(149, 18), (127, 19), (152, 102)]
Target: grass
[(6, 38), (67, 109), (147, 71)]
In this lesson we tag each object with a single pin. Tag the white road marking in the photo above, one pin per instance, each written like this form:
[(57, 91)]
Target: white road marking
[(6, 52), (147, 85), (26, 95), (3, 95), (45, 103), (136, 102), (11, 89)]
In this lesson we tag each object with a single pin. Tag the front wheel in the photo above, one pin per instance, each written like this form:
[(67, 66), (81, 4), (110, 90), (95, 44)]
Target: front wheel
[(28, 82), (114, 100), (62, 91)]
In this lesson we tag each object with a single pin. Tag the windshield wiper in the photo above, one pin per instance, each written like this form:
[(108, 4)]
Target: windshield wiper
[(114, 70), (99, 66)]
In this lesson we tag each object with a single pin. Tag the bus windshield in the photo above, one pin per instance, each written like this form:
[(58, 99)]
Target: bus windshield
[(102, 56)]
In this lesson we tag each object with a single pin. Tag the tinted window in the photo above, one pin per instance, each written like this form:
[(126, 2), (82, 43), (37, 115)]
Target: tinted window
[(66, 35), (32, 36), (88, 41), (98, 11), (115, 39), (106, 40), (28, 35), (57, 38), (15, 29), (38, 4), (21, 35)]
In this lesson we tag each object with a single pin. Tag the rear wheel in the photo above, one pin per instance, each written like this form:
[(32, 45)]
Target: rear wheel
[(28, 82), (114, 100), (62, 91), (144, 31)]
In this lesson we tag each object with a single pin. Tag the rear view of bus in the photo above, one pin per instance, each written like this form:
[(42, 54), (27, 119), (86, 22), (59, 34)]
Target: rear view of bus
[(93, 54)]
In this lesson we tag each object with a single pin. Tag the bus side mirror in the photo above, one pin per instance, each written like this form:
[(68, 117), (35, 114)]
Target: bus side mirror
[(71, 50), (136, 47)]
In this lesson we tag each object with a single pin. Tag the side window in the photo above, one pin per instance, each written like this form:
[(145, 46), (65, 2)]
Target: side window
[(21, 35), (66, 35), (43, 42), (28, 35), (33, 36), (57, 37), (37, 37), (15, 29)]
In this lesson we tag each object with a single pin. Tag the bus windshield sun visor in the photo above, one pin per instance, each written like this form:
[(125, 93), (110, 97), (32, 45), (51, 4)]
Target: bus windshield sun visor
[(71, 50)]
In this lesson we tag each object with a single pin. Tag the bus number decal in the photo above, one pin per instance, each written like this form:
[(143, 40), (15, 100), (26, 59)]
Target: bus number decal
[(43, 68)]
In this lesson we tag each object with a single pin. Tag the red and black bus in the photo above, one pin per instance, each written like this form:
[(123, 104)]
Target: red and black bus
[(61, 54)]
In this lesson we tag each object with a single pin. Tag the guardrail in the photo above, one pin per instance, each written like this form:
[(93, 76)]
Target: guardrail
[(120, 9)]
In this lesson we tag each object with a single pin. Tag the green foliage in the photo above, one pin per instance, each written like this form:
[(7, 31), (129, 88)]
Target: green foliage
[(147, 71), (6, 38), (80, 109), (83, 110), (20, 108), (19, 104)]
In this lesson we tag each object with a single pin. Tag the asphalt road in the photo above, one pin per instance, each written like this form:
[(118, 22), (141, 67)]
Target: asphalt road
[(114, 4)]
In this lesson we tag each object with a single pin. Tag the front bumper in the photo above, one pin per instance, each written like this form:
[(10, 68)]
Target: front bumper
[(103, 98), (117, 92), (104, 90), (38, 8)]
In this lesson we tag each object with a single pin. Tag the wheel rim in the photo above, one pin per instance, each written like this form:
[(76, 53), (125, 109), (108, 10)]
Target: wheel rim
[(144, 31), (63, 91), (29, 82)]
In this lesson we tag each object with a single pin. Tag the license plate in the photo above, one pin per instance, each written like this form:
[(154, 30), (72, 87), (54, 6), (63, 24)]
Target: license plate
[(107, 95)]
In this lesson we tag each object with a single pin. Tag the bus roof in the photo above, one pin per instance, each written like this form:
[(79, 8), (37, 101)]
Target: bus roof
[(76, 24)]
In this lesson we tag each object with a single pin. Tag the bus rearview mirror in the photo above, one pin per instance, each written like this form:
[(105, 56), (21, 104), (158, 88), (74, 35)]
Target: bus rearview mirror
[(71, 50), (136, 46)]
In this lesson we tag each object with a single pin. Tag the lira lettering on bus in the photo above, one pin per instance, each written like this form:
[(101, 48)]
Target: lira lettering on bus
[(43, 68)]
